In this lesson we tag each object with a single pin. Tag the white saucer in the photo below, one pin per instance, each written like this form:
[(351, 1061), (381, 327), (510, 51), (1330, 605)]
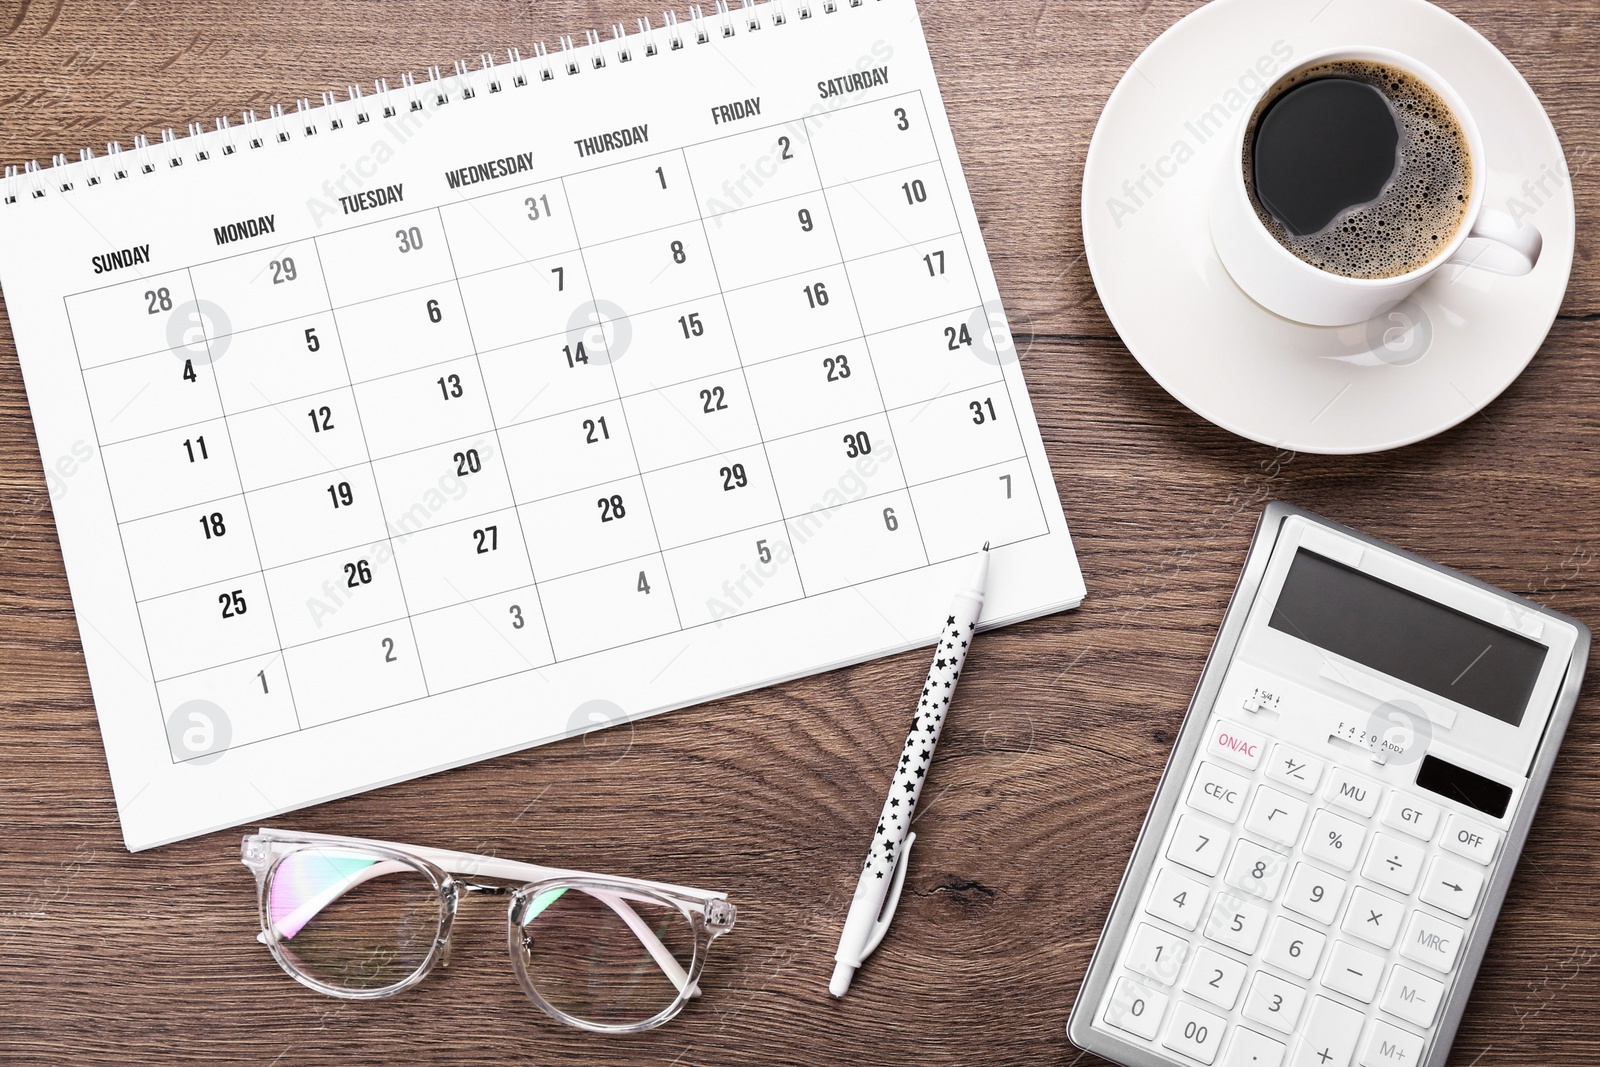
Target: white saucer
[(1437, 359)]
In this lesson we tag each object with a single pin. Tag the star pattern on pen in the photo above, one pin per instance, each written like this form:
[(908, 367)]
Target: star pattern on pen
[(916, 755)]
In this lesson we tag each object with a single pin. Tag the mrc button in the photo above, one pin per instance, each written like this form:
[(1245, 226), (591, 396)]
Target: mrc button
[(1227, 741)]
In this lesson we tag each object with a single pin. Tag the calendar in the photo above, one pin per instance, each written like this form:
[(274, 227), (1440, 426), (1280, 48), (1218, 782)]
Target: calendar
[(435, 421)]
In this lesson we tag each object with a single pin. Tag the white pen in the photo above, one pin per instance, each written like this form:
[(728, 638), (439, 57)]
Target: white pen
[(884, 872)]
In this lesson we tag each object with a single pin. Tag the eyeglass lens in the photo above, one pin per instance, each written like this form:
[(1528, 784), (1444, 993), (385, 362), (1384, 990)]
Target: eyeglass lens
[(603, 957), (353, 920)]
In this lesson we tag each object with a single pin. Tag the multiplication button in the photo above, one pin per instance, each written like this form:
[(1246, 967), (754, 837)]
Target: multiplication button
[(1218, 792), (1373, 918)]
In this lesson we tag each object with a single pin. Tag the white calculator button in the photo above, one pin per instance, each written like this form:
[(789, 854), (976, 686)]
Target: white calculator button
[(1236, 922), (1256, 870), (1412, 996), (1470, 839), (1353, 972), (1195, 1033), (1334, 840), (1235, 744), (1198, 845), (1157, 954), (1373, 918), (1352, 792), (1274, 1002), (1294, 948), (1136, 1008), (1394, 863), (1179, 900), (1432, 942), (1250, 1049), (1329, 1036), (1215, 979), (1411, 816), (1218, 792), (1314, 894), (1389, 1046), (1293, 768), (1453, 886), (1276, 815)]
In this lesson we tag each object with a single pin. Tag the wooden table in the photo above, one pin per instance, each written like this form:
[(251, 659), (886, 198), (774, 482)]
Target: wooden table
[(1064, 724)]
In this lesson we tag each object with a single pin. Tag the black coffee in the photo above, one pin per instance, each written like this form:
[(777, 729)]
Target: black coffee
[(1358, 168)]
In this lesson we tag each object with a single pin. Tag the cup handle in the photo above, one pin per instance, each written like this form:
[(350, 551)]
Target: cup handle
[(1500, 244)]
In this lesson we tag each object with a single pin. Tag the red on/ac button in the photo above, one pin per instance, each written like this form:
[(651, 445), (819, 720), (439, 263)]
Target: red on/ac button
[(1236, 745)]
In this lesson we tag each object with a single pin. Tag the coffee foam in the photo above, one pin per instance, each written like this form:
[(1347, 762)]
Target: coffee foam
[(1417, 213)]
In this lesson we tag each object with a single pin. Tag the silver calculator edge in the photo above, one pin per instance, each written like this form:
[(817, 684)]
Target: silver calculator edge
[(1185, 750)]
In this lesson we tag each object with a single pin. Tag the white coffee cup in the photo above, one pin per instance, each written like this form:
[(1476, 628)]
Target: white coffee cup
[(1283, 283)]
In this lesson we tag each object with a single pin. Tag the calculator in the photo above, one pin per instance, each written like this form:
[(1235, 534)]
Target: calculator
[(1331, 841)]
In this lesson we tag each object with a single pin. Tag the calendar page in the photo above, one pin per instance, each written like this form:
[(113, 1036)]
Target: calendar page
[(492, 407)]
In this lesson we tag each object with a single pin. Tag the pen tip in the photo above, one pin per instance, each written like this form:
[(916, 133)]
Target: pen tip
[(986, 546)]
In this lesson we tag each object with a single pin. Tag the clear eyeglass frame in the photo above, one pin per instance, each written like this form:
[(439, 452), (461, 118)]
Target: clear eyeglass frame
[(453, 875)]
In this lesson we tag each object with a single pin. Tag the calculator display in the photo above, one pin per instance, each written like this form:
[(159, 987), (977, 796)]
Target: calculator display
[(1408, 637)]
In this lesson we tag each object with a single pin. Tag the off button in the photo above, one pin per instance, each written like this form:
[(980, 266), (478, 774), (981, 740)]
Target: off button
[(1229, 742), (1218, 793)]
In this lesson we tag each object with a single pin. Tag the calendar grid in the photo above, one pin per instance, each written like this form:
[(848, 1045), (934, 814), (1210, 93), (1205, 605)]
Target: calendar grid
[(345, 548), (522, 532), (633, 446), (144, 637), (845, 266), (733, 332), (798, 513), (245, 503), (1000, 363), (569, 659), (366, 449)]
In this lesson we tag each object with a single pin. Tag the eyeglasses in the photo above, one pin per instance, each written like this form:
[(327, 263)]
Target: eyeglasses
[(364, 919)]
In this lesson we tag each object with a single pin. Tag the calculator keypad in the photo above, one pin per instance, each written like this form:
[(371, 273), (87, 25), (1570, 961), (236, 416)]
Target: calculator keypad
[(1303, 914)]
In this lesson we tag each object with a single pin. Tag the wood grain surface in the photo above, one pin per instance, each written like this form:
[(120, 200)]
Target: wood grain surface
[(1062, 725)]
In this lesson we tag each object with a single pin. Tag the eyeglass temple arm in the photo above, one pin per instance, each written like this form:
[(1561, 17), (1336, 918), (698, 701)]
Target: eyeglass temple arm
[(291, 924), (664, 958)]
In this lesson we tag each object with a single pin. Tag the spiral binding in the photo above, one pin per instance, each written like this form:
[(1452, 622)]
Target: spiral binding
[(309, 119)]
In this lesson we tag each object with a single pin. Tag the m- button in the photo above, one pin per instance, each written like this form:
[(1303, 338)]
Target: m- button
[(1227, 741)]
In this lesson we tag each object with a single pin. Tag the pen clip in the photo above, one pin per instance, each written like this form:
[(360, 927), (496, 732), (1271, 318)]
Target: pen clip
[(891, 901)]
